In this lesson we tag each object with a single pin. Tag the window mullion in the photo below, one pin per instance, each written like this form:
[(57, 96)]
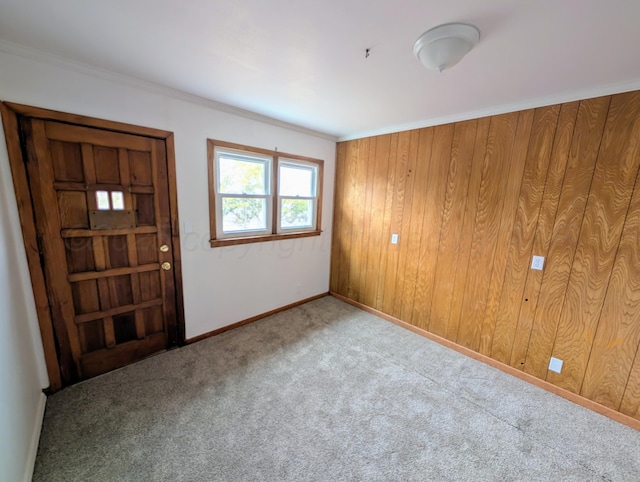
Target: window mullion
[(275, 184)]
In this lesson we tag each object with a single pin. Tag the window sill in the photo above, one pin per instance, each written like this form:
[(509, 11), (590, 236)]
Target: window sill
[(216, 243)]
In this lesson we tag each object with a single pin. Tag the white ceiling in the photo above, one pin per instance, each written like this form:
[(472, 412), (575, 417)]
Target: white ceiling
[(303, 61)]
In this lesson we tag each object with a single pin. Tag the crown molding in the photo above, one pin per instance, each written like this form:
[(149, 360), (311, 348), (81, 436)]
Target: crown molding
[(608, 89), (55, 60)]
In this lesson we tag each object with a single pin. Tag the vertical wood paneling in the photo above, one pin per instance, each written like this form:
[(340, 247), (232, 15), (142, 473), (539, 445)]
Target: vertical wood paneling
[(507, 216), (521, 242), (399, 198), (406, 243), (453, 213), (577, 182), (369, 165), (381, 166), (472, 202), (631, 400), (386, 224), (428, 252), (339, 207), (358, 198), (548, 209), (618, 336), (607, 207), (418, 208), (348, 191), (487, 225), (464, 249)]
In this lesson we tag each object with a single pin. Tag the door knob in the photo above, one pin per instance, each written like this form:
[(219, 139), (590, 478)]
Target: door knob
[(166, 266)]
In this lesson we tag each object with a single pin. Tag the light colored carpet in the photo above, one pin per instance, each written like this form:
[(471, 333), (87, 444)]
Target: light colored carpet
[(324, 392)]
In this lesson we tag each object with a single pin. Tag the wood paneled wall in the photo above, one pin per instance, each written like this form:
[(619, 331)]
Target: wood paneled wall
[(472, 202)]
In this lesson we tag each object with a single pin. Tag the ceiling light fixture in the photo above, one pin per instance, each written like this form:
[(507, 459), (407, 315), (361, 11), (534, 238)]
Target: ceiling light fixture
[(444, 46)]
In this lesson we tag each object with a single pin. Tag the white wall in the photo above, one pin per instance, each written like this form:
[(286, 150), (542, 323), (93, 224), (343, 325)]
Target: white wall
[(221, 285), (23, 374)]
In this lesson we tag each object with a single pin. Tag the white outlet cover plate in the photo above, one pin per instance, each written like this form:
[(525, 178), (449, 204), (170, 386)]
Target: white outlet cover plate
[(394, 239), (537, 263), (555, 365)]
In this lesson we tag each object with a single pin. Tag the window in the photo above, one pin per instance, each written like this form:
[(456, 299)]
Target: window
[(243, 192), (116, 203), (260, 195), (297, 186)]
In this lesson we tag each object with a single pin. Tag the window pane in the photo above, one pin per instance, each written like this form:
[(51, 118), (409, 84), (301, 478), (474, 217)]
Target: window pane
[(242, 176), (117, 200), (243, 214), (296, 213), (296, 181), (102, 200)]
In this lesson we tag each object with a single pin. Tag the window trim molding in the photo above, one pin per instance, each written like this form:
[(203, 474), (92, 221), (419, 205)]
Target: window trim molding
[(274, 235)]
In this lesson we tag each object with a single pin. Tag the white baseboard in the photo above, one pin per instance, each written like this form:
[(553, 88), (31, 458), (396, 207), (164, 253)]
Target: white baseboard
[(35, 439)]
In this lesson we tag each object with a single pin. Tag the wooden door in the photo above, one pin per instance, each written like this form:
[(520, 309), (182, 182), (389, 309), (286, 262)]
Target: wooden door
[(101, 205)]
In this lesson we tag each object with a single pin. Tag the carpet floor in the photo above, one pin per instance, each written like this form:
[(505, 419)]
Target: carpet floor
[(324, 392)]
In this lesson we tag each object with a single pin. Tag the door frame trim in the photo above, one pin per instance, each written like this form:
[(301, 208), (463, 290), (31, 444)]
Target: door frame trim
[(10, 112)]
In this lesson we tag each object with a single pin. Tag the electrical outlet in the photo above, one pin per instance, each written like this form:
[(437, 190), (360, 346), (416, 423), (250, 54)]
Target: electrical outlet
[(555, 365), (537, 263), (394, 239)]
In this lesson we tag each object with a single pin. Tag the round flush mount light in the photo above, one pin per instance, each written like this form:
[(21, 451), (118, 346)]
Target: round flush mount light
[(443, 46)]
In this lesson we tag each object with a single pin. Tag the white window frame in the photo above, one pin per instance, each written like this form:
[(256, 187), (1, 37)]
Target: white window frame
[(314, 168), (268, 196)]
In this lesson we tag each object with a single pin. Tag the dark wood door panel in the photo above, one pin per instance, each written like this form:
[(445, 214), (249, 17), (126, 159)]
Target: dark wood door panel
[(101, 361), (111, 289), (96, 137)]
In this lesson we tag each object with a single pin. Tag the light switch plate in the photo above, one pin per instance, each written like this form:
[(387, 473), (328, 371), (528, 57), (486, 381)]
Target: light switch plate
[(394, 239), (555, 365), (537, 263)]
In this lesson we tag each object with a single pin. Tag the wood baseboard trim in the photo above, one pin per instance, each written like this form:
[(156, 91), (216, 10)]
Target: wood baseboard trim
[(572, 397), (238, 324)]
